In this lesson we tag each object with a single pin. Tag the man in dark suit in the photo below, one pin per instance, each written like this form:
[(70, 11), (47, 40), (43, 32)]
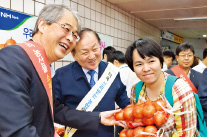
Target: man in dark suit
[(26, 106), (185, 56), (71, 83), (202, 93)]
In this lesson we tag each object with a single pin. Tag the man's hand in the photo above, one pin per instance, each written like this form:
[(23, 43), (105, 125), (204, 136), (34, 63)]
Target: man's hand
[(108, 118)]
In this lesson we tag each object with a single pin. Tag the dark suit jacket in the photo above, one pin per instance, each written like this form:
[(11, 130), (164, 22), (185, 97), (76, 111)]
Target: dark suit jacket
[(71, 85), (202, 93), (24, 105), (195, 76)]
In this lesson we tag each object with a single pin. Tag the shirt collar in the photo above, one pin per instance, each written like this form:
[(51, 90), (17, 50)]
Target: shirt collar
[(123, 66), (189, 73), (86, 70), (201, 64)]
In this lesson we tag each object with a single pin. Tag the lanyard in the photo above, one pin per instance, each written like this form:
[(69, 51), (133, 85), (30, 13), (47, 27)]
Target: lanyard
[(180, 73)]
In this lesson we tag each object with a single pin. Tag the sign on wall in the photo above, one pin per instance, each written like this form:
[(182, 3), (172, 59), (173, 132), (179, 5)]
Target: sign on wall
[(172, 37), (178, 39), (105, 41), (15, 26)]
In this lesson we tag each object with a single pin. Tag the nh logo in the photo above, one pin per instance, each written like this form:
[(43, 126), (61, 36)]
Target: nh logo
[(5, 15)]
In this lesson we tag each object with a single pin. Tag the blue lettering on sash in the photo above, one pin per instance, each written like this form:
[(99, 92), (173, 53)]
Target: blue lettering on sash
[(87, 105), (94, 96), (98, 91)]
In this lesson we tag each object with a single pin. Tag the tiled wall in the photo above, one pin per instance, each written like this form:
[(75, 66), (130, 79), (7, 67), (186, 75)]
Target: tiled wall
[(98, 15)]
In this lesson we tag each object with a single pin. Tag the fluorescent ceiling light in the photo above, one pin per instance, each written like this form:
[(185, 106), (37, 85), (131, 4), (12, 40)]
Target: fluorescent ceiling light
[(204, 36), (191, 19)]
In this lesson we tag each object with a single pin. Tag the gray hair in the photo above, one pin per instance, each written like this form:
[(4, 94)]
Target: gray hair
[(52, 13)]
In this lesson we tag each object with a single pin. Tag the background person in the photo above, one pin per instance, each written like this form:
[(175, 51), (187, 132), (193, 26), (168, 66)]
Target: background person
[(26, 107), (106, 52), (144, 56), (185, 56), (202, 93), (128, 77), (73, 82), (195, 62), (202, 64), (168, 56)]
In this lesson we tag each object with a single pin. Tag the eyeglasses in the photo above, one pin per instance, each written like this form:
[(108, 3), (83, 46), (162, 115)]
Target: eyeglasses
[(184, 56), (68, 30)]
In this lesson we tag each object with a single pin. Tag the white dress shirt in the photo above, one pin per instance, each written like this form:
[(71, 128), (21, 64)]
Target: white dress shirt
[(128, 78), (164, 67), (52, 71), (200, 67)]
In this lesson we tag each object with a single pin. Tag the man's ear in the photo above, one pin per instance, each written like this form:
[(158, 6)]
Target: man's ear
[(105, 57), (116, 63), (171, 59), (41, 25), (177, 57)]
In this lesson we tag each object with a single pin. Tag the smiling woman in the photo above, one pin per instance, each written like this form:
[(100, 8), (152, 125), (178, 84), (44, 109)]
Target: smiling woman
[(144, 56)]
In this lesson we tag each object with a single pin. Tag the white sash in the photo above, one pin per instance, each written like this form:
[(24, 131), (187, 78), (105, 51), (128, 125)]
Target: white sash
[(94, 96)]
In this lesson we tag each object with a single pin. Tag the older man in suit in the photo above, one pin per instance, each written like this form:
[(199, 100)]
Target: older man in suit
[(73, 82)]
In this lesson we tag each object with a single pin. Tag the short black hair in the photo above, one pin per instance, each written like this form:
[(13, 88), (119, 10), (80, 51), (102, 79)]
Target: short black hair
[(183, 47), (116, 55), (204, 53), (108, 50), (145, 47), (169, 53)]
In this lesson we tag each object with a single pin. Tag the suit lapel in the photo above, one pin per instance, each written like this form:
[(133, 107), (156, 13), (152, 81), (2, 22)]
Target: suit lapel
[(78, 75), (192, 76), (102, 66), (78, 72)]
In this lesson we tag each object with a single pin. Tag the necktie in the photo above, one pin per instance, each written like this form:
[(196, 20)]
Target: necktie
[(91, 73)]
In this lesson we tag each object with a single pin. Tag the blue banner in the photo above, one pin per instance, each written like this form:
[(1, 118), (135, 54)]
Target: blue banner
[(10, 20)]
